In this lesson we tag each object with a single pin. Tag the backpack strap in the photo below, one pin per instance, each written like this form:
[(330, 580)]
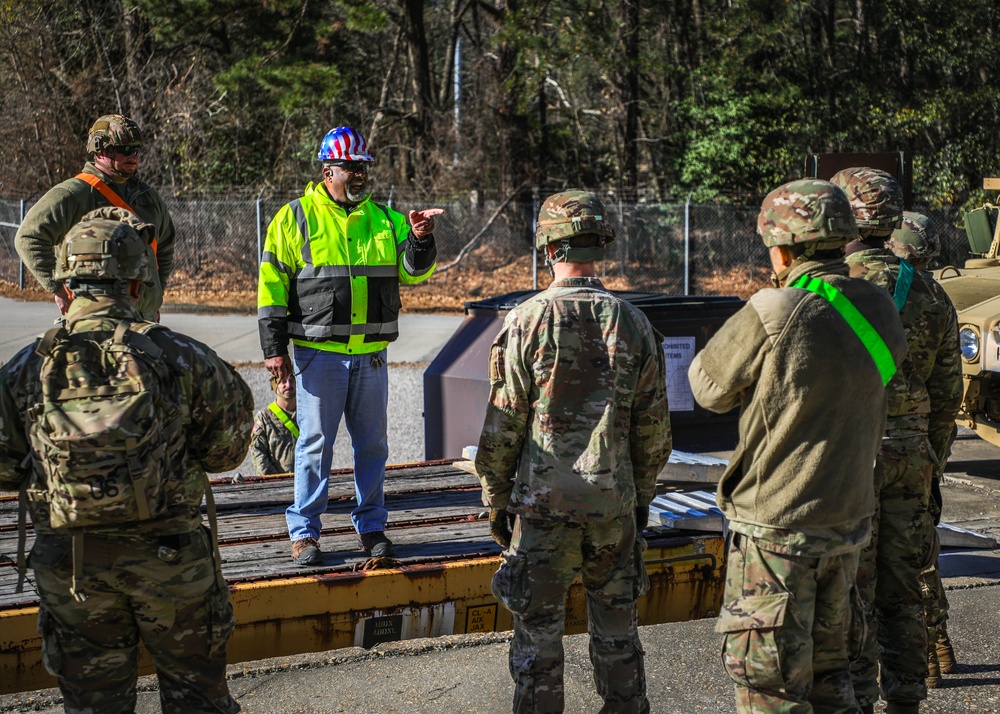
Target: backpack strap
[(77, 548), (46, 341), (213, 527), (22, 535), (134, 335)]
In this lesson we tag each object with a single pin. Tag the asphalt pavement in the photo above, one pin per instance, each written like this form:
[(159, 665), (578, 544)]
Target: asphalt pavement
[(468, 673), (233, 337)]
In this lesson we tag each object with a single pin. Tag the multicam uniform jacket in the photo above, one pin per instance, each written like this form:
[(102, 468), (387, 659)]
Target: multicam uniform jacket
[(930, 399), (272, 446), (577, 427)]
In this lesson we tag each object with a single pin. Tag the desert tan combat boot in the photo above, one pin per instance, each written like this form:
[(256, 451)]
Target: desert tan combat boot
[(933, 680), (945, 653)]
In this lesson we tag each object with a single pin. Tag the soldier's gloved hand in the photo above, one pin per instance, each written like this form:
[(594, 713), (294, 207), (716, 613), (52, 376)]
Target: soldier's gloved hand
[(641, 518), (501, 526)]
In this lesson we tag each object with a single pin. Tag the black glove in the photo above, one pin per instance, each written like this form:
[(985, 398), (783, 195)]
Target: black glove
[(501, 526), (641, 519)]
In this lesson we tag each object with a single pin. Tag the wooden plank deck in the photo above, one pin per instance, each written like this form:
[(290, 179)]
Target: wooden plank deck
[(442, 586), (433, 514)]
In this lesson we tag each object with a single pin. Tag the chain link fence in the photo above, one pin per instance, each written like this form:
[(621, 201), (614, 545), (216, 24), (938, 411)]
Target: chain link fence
[(484, 245)]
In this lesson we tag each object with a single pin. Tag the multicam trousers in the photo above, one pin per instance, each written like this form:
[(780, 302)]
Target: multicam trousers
[(935, 600), (889, 575), (543, 560), (788, 630), (169, 597)]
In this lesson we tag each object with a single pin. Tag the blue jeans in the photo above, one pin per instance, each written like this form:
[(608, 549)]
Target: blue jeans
[(330, 385)]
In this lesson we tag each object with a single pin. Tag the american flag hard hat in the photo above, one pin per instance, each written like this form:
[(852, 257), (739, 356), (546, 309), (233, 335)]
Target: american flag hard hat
[(344, 144)]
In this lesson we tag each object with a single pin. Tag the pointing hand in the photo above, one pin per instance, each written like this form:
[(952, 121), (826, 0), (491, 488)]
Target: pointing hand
[(422, 222)]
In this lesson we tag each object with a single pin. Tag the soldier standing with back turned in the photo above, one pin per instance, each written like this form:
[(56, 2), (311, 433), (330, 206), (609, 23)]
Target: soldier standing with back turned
[(807, 364), (916, 241), (577, 430), (109, 426), (924, 399)]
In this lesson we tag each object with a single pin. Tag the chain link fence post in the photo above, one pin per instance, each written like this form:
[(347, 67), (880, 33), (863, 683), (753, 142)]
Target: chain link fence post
[(687, 246), (534, 243)]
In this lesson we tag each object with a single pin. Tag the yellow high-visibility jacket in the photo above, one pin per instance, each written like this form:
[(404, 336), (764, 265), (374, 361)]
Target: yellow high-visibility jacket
[(330, 279)]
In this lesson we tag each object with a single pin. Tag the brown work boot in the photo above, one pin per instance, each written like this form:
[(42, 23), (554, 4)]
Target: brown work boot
[(897, 708), (305, 551), (377, 545), (945, 653), (933, 680)]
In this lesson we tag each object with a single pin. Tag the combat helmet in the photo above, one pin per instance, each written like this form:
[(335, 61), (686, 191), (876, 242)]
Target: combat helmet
[(916, 239), (113, 130), (808, 211), (876, 198), (107, 245), (573, 213)]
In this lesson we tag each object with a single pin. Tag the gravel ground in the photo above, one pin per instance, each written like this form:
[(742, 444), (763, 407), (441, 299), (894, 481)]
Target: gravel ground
[(406, 416)]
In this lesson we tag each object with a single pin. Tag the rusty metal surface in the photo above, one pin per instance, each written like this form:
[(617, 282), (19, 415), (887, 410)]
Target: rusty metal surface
[(442, 587)]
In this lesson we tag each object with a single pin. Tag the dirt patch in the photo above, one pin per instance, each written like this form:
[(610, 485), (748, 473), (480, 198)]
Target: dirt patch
[(482, 275)]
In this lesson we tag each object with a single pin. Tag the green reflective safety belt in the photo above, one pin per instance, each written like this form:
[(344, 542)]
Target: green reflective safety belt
[(284, 419), (868, 335), (903, 282)]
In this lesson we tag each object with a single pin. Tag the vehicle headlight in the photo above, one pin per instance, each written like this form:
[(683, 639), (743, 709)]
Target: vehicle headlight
[(968, 340)]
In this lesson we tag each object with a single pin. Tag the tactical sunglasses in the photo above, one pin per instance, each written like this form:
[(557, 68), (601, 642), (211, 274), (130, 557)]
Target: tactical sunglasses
[(131, 150), (353, 167)]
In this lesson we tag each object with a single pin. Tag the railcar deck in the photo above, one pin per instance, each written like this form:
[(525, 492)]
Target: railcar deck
[(442, 585)]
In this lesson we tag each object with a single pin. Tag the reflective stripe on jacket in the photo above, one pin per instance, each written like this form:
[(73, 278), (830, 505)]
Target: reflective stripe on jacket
[(330, 279)]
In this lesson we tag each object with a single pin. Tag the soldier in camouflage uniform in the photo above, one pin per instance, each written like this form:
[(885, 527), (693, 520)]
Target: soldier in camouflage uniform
[(275, 431), (577, 429), (109, 178), (917, 242), (807, 364), (105, 588), (924, 399)]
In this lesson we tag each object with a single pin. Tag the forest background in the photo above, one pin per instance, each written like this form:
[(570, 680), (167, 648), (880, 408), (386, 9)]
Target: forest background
[(493, 103)]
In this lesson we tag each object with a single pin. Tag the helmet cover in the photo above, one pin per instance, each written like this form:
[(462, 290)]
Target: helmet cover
[(807, 211), (572, 213), (107, 244), (113, 130), (915, 239), (876, 197)]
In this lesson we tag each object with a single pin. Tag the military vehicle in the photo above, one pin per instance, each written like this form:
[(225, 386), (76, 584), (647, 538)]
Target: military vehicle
[(975, 291)]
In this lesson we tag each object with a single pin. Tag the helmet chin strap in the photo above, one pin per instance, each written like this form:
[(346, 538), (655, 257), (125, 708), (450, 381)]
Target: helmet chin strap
[(565, 252), (778, 279), (109, 165)]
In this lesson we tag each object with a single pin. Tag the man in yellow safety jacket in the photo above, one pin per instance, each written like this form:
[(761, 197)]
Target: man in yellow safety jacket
[(329, 283)]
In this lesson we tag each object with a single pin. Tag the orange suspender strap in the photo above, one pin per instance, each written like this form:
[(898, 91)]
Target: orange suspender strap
[(115, 199)]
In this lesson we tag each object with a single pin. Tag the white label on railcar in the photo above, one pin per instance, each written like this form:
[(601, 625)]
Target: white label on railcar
[(679, 352)]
